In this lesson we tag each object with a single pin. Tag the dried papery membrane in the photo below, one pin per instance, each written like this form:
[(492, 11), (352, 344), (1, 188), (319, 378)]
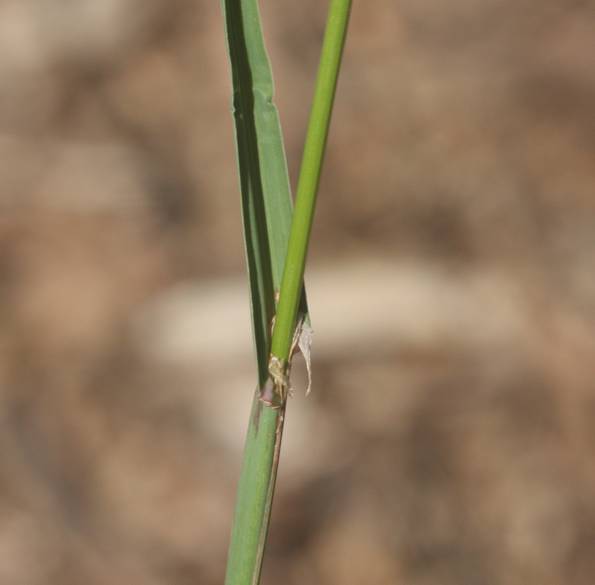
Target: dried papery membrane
[(305, 346), (280, 371), (279, 374)]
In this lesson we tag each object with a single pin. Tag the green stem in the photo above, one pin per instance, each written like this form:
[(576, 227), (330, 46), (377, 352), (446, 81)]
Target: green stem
[(305, 202), (255, 494)]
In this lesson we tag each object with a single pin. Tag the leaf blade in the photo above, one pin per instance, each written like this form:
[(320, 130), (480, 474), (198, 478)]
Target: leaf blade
[(264, 179)]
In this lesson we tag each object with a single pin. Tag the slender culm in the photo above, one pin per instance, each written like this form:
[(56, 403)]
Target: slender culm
[(318, 127)]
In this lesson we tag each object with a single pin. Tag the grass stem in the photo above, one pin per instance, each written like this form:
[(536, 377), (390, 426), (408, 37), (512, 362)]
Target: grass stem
[(305, 202)]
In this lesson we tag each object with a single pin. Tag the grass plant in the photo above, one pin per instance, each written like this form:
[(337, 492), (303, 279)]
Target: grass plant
[(276, 243)]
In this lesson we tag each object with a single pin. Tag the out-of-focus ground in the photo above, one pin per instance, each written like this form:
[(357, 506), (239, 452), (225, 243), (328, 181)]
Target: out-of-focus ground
[(450, 434)]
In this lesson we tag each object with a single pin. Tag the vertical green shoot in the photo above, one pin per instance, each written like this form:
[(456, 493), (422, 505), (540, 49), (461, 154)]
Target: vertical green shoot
[(316, 138)]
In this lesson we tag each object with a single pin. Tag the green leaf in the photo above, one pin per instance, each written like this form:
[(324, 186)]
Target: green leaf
[(264, 180)]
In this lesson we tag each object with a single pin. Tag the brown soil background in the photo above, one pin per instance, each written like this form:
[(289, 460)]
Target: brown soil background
[(449, 438)]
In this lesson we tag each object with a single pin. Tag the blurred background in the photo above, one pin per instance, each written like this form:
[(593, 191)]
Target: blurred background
[(450, 434)]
